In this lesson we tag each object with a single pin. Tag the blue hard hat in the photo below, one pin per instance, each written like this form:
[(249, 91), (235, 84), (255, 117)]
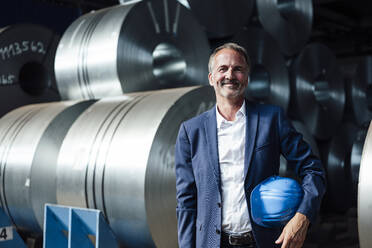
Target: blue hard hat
[(275, 201)]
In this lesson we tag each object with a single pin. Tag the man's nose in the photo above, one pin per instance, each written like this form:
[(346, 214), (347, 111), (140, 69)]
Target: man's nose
[(229, 74)]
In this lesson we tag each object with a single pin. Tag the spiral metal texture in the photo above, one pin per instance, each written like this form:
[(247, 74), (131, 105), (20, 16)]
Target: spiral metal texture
[(364, 193), (221, 18), (317, 90), (355, 158), (340, 191), (115, 154), (26, 66), (137, 46), (288, 21), (268, 80), (21, 132), (359, 91)]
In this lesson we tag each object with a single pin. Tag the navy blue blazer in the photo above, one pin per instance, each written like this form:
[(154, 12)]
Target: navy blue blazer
[(198, 183)]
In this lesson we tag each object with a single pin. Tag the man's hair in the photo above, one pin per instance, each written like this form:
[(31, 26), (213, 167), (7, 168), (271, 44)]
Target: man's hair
[(239, 49)]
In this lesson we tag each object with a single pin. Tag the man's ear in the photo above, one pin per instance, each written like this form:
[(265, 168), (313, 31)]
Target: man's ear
[(210, 78)]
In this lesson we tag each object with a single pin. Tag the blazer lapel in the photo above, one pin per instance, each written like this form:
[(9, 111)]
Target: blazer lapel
[(210, 126), (250, 135)]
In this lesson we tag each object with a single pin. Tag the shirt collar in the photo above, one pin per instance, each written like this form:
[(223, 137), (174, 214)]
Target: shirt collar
[(221, 119)]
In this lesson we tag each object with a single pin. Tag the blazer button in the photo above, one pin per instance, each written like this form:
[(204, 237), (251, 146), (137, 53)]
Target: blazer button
[(218, 231), (219, 204)]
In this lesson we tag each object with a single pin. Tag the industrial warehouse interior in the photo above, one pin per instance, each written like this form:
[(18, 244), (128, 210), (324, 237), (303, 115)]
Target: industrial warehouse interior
[(93, 93)]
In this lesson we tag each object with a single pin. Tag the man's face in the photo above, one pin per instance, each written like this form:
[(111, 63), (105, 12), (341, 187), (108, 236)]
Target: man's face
[(229, 75)]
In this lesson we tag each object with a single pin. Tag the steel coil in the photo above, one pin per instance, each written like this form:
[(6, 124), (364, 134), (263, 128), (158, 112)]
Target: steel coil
[(285, 169), (21, 132), (359, 91), (26, 66), (317, 90), (221, 18), (356, 156), (364, 194), (115, 154), (338, 166), (137, 46), (268, 80), (288, 21)]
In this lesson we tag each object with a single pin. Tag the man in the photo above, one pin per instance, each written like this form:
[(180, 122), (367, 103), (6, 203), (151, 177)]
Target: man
[(222, 154)]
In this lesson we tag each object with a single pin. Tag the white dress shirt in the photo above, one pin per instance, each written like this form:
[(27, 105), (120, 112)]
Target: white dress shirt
[(231, 150)]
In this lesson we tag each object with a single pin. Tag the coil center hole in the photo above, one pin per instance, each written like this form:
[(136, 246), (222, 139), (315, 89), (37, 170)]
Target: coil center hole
[(259, 83), (33, 78), (286, 7), (169, 65), (321, 90)]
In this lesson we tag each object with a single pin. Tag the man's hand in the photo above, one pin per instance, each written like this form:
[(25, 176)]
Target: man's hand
[(294, 233)]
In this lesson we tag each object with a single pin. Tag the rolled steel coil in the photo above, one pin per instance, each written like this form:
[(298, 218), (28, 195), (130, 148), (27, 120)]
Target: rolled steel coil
[(115, 154), (339, 178), (317, 90), (27, 54), (221, 18), (285, 169), (21, 132), (288, 21), (364, 193), (268, 80), (356, 156), (137, 46), (359, 91)]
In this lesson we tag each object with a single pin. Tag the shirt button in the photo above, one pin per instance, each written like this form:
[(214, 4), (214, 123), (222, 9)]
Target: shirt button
[(219, 204), (218, 231)]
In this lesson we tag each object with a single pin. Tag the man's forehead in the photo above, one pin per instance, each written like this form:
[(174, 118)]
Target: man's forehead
[(226, 53)]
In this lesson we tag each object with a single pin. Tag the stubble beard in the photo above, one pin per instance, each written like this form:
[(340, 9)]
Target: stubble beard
[(225, 88)]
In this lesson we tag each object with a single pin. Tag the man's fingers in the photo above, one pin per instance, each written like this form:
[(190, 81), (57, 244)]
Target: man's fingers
[(280, 239), (285, 243), (294, 242)]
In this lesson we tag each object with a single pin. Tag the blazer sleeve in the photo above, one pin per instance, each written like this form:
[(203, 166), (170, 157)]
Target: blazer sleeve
[(186, 191), (307, 166)]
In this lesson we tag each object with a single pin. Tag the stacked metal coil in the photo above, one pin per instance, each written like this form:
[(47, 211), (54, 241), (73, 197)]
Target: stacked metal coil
[(26, 66), (364, 193), (317, 90), (355, 158), (115, 154), (338, 166), (359, 91), (288, 21), (21, 132), (137, 46), (221, 18), (268, 80)]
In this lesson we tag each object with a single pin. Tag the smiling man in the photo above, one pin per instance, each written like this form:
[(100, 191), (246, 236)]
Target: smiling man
[(222, 154)]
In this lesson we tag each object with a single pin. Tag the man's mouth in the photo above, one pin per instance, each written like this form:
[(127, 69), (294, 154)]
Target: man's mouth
[(228, 82)]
